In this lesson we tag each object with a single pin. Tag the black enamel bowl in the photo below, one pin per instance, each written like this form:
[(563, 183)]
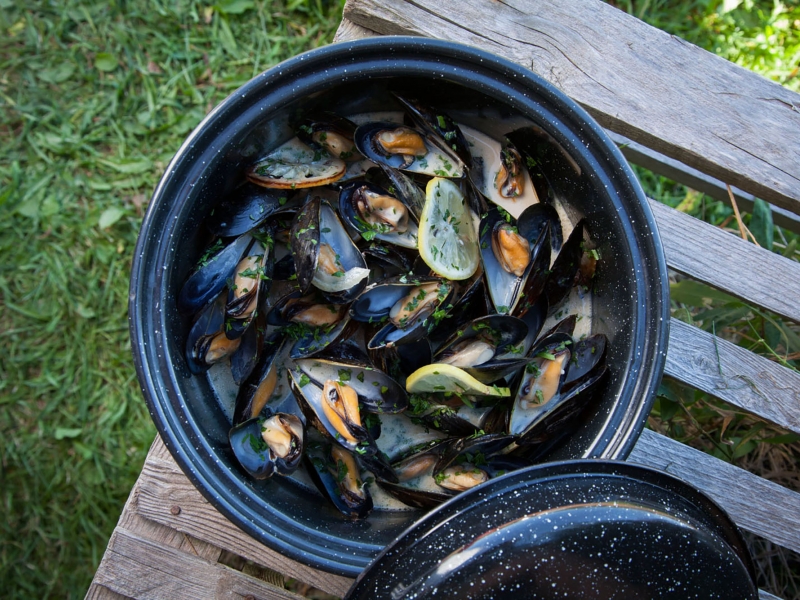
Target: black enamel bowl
[(630, 301), (575, 529)]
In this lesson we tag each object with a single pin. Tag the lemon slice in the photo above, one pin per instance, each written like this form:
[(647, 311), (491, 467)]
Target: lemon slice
[(448, 241), (447, 378)]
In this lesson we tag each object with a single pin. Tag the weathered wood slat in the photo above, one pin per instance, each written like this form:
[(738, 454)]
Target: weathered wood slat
[(729, 263), (163, 486), (755, 504), (142, 568), (734, 375), (99, 592), (640, 155), (658, 90)]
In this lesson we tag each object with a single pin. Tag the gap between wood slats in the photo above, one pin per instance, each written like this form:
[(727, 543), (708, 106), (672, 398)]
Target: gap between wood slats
[(641, 82), (140, 568), (729, 263), (755, 504), (733, 374)]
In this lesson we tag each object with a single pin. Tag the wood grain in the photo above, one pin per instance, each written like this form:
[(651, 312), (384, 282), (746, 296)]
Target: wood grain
[(734, 375), (729, 263), (163, 486), (755, 504), (636, 80), (142, 568)]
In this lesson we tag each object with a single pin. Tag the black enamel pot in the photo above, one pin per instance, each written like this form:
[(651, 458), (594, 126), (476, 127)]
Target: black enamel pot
[(575, 529), (631, 291)]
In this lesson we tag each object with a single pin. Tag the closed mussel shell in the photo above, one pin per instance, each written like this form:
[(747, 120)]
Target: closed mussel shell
[(245, 208)]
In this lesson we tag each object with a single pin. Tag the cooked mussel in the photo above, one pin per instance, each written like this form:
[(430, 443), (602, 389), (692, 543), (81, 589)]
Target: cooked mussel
[(257, 390), (329, 132), (324, 254), (207, 343), (488, 348), (377, 214), (335, 472), (407, 149), (374, 390), (269, 444), (333, 410), (294, 165)]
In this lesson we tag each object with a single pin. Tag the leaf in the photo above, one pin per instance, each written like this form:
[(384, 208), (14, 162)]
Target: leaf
[(226, 37), (125, 165), (786, 438), (109, 217), (64, 432), (58, 74), (761, 224), (233, 7), (105, 62), (695, 293)]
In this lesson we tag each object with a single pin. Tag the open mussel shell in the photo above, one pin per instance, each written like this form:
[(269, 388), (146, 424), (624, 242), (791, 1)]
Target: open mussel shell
[(336, 474), (566, 266), (441, 414), (400, 360), (415, 485), (329, 132), (386, 261), (407, 149), (411, 305), (245, 208), (377, 392), (488, 348), (294, 166), (441, 128), (212, 275), (538, 217), (498, 173), (310, 309), (463, 463), (257, 390), (324, 255), (378, 214), (508, 259), (207, 343), (333, 410), (586, 355), (270, 444), (249, 284)]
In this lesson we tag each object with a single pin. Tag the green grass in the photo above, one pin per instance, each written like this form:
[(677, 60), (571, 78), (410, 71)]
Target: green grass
[(95, 98)]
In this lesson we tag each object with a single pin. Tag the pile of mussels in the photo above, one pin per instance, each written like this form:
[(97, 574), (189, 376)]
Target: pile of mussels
[(315, 280)]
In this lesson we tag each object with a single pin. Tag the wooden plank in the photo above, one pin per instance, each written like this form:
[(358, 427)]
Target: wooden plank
[(349, 31), (755, 504), (734, 374), (163, 488), (636, 80), (99, 592), (141, 568), (729, 263), (641, 155)]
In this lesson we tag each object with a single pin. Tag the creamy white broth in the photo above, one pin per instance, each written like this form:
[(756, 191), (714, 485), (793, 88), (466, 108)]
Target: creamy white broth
[(398, 433)]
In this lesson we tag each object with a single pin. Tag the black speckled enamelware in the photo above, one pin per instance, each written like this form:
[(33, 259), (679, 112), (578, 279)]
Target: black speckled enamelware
[(631, 293), (575, 529)]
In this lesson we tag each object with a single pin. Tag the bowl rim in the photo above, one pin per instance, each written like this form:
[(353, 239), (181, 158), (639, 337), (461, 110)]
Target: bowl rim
[(156, 376)]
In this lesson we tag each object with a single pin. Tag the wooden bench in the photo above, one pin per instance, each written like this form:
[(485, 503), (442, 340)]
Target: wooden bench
[(677, 110)]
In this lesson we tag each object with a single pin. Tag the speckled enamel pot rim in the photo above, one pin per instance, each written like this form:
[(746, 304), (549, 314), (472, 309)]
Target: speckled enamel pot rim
[(531, 503), (188, 423)]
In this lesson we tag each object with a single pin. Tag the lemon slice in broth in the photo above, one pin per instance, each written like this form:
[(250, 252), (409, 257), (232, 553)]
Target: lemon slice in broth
[(448, 240), (439, 377)]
